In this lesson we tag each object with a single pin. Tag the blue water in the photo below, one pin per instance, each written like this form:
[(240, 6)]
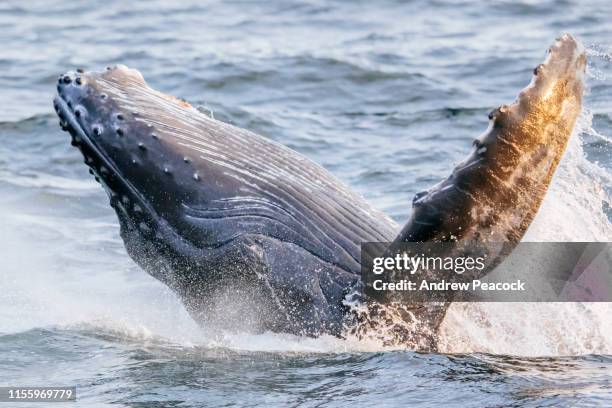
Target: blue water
[(384, 94)]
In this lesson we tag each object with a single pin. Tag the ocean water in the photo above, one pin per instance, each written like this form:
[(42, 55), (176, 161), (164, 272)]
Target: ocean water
[(388, 96)]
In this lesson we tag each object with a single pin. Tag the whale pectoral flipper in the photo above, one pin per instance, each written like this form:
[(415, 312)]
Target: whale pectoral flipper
[(493, 195)]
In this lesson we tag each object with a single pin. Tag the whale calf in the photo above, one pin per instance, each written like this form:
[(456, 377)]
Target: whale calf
[(253, 236)]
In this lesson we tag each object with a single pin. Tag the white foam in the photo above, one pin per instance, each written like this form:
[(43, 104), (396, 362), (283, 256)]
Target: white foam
[(572, 211)]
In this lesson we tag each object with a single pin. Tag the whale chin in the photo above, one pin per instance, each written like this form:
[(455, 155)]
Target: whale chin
[(226, 217)]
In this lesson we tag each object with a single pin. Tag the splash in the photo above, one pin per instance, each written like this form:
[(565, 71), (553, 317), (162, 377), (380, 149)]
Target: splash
[(573, 211)]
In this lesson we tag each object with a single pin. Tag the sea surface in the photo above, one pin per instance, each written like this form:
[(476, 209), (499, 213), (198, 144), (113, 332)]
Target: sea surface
[(388, 95)]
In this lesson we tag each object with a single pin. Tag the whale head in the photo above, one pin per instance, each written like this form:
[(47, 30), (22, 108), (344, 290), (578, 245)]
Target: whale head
[(206, 207), (133, 140)]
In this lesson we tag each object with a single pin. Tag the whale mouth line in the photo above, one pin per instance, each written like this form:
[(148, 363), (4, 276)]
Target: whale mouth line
[(84, 140)]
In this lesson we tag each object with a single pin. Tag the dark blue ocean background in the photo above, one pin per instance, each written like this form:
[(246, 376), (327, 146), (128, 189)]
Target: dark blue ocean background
[(387, 95)]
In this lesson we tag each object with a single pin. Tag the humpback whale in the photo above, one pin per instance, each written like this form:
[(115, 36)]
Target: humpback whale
[(253, 236)]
